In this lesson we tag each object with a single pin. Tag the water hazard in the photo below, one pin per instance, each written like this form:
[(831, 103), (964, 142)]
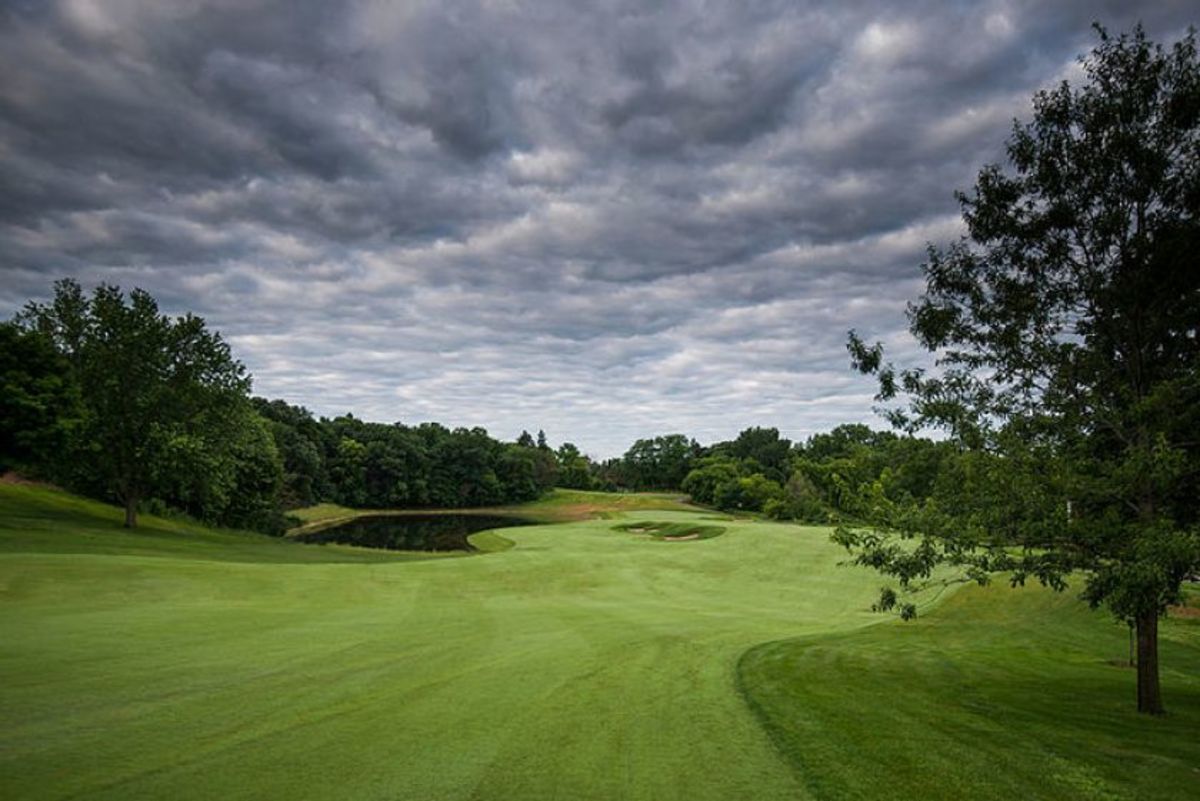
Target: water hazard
[(428, 532)]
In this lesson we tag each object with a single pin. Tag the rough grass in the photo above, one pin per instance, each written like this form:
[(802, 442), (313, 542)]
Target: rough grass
[(190, 664), (998, 694)]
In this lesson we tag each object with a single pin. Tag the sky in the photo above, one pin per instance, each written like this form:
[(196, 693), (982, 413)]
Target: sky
[(604, 220)]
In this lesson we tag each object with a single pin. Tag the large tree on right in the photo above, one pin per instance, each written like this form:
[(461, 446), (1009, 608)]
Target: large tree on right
[(1065, 328)]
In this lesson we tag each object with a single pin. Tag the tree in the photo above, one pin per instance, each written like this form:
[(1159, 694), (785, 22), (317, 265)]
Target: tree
[(254, 477), (803, 502), (39, 403), (844, 441), (751, 494), (710, 474), (229, 476), (659, 463), (772, 453), (574, 469), (157, 392), (1068, 358), (516, 470)]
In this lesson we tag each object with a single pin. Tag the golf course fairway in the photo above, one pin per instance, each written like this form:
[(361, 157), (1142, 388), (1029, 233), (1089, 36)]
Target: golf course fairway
[(581, 663)]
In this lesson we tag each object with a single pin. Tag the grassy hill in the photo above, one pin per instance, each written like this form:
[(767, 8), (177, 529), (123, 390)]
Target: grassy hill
[(584, 662), (998, 694)]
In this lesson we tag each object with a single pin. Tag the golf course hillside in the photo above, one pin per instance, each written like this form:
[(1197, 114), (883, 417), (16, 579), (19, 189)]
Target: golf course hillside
[(581, 659)]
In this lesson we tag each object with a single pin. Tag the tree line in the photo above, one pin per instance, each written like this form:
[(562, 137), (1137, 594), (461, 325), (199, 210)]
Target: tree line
[(106, 395), (362, 464), (760, 471)]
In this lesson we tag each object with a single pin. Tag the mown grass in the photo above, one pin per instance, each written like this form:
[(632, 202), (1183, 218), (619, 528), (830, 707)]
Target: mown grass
[(182, 663), (998, 694), (577, 664)]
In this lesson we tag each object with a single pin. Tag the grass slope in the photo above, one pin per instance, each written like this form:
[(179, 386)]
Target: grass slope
[(583, 663), (998, 694), (34, 519)]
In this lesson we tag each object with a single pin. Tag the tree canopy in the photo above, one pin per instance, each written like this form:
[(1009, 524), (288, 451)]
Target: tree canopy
[(39, 403), (162, 397), (1064, 325)]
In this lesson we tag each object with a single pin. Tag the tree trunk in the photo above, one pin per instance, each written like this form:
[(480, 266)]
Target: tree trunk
[(131, 503), (1149, 695)]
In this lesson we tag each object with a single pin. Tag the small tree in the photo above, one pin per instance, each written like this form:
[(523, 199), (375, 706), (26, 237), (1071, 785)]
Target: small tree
[(159, 395), (1065, 327)]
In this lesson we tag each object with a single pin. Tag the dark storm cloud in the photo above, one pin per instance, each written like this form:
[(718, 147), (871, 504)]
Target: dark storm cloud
[(603, 219)]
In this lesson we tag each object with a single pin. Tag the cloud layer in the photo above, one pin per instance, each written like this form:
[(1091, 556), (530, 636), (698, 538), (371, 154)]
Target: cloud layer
[(592, 218)]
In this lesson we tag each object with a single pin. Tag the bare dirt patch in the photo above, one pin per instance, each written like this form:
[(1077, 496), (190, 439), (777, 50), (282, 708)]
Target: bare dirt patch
[(13, 477), (1192, 612)]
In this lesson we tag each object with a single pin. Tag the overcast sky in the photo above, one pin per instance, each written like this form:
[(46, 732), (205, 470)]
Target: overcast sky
[(597, 219)]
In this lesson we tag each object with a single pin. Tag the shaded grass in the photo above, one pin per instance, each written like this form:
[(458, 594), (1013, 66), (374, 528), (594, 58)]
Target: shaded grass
[(42, 520), (998, 693)]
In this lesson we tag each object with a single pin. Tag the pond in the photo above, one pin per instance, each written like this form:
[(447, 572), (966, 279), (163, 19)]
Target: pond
[(419, 532)]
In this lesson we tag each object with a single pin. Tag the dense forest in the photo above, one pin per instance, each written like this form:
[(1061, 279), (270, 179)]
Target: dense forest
[(107, 396)]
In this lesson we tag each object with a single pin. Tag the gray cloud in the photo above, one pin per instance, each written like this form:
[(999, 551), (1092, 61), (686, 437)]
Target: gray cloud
[(606, 220)]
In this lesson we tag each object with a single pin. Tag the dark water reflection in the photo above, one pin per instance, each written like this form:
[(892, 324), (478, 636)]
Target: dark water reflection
[(412, 532)]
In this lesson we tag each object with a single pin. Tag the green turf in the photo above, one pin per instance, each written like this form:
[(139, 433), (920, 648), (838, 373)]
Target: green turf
[(37, 520), (999, 694), (582, 663)]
